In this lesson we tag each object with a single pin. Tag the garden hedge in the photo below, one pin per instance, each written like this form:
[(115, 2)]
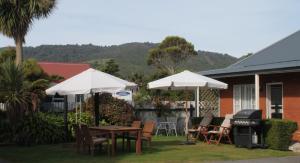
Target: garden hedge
[(39, 128), (278, 133)]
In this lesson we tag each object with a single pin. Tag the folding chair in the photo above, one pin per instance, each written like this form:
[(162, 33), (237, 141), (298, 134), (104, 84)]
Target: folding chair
[(222, 131)]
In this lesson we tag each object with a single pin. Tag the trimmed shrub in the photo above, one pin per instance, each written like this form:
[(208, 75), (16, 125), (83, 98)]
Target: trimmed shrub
[(278, 133), (39, 128)]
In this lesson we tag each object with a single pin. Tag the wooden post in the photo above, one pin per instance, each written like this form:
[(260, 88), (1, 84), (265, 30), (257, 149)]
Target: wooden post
[(96, 107), (197, 103), (256, 91), (66, 117)]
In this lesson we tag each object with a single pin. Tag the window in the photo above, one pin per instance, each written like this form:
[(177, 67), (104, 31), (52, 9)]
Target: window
[(79, 97), (243, 97)]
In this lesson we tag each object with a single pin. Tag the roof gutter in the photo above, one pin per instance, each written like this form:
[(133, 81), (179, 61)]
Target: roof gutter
[(249, 73)]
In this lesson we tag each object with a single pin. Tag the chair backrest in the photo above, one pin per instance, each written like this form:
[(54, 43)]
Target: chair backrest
[(160, 119), (226, 123), (148, 128), (86, 134), (207, 118), (172, 119), (136, 124)]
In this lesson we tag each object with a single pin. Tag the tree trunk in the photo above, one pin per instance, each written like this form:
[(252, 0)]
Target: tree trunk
[(19, 50)]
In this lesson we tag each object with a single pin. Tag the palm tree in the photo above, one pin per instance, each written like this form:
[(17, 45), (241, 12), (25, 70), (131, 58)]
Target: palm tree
[(16, 17), (19, 94)]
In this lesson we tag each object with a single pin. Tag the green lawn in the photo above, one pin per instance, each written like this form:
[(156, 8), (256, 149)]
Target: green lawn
[(164, 149)]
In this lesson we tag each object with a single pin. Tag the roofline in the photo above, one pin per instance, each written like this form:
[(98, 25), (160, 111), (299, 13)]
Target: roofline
[(65, 63), (260, 72), (264, 49)]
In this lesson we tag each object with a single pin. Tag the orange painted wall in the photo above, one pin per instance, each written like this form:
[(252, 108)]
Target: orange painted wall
[(291, 94)]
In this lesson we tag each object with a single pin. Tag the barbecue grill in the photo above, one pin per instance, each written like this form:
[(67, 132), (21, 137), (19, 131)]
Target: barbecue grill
[(247, 128)]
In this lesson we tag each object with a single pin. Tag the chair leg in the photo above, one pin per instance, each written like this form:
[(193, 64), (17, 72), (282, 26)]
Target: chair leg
[(108, 148), (116, 143), (205, 138), (92, 149), (149, 142), (210, 139), (123, 142), (219, 139), (158, 128), (128, 145), (229, 140)]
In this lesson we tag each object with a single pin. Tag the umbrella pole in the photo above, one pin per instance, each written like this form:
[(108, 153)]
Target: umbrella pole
[(76, 110), (187, 142), (80, 110), (186, 116)]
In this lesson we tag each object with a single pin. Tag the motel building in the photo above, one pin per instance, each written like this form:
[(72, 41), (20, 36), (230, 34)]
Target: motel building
[(268, 80)]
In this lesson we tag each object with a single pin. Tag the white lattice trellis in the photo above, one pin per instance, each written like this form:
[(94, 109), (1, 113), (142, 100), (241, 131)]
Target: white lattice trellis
[(209, 101)]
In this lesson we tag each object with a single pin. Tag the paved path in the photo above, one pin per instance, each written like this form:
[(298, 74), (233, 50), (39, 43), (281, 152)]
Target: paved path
[(290, 159)]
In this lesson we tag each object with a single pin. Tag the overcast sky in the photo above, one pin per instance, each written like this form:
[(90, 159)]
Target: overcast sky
[(236, 27)]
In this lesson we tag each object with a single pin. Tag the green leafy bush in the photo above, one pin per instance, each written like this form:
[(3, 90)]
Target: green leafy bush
[(85, 118), (39, 128), (278, 133), (6, 133), (115, 111)]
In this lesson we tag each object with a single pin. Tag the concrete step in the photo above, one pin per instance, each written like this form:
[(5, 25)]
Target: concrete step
[(295, 147)]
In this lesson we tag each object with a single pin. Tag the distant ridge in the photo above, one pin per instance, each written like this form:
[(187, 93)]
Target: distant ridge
[(131, 57)]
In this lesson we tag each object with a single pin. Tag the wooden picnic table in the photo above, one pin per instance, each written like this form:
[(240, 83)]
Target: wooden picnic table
[(113, 130)]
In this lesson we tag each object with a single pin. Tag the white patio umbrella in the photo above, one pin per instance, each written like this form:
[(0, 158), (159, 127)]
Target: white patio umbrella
[(186, 80), (90, 81)]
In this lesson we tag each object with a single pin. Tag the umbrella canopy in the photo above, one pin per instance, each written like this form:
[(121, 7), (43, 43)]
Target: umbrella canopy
[(90, 81), (186, 80)]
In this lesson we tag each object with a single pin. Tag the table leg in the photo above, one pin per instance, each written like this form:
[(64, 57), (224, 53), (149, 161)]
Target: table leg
[(123, 141), (138, 144), (113, 144)]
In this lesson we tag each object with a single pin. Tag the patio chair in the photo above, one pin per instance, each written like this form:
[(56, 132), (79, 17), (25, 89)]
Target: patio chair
[(162, 126), (91, 141), (222, 131), (135, 124), (172, 125), (146, 133), (78, 138), (202, 129)]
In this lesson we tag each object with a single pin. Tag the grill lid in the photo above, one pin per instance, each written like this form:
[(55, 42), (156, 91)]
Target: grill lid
[(248, 114)]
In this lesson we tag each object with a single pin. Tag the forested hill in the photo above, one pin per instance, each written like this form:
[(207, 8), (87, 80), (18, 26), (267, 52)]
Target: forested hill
[(131, 57)]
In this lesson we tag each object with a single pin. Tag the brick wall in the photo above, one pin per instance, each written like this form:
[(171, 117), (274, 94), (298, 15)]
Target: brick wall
[(291, 94)]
